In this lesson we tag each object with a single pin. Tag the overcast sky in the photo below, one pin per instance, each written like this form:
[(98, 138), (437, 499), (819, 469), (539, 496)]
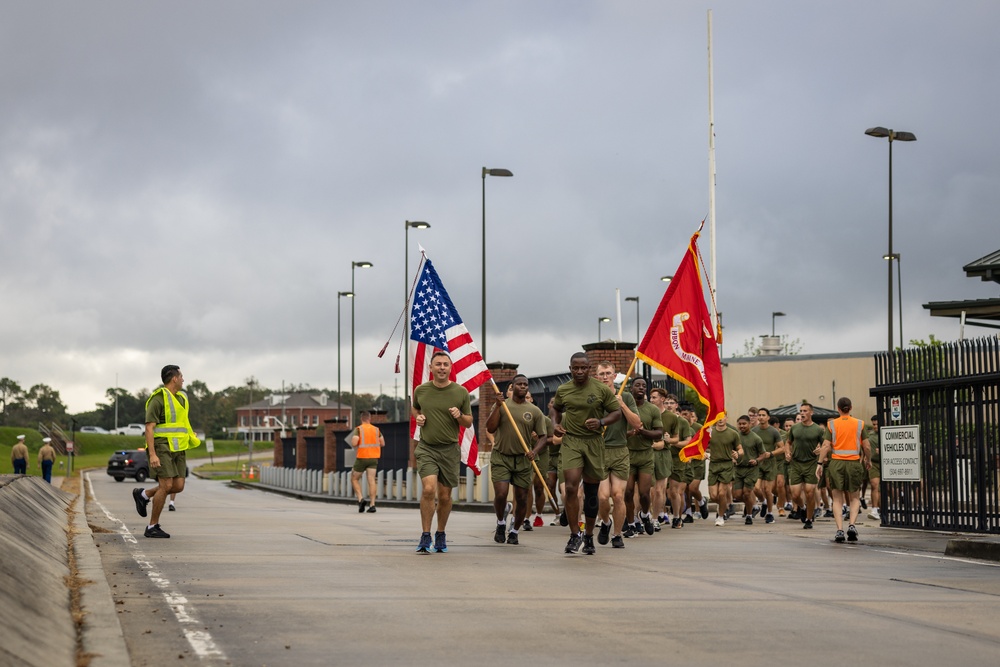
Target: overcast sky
[(189, 182)]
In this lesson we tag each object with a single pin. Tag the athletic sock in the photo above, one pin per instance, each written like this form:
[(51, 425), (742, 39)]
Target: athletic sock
[(144, 496), (513, 531), (501, 522)]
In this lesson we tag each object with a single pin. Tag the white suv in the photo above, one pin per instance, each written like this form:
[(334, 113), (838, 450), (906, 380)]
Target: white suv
[(131, 429)]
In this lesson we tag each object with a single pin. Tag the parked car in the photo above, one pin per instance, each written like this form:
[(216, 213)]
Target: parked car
[(132, 429), (129, 463), (92, 429)]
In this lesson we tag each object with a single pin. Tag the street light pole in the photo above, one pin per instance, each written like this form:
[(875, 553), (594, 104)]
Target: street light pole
[(636, 299), (899, 290), (340, 394), (599, 321), (774, 315), (891, 135), (487, 172), (354, 265), (415, 224)]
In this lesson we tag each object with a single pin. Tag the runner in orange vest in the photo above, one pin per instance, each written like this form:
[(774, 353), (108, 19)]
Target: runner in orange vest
[(369, 441), (849, 455)]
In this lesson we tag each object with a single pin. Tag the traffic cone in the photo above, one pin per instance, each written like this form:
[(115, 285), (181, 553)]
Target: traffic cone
[(243, 472), (251, 472)]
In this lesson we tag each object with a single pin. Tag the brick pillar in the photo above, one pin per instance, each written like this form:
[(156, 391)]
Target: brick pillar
[(332, 429), (619, 353), (300, 445), (379, 416), (279, 450), (503, 373)]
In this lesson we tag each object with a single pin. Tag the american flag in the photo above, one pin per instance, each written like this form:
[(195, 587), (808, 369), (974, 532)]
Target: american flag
[(436, 325)]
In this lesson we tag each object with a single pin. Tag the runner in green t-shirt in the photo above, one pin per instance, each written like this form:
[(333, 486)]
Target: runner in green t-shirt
[(581, 409), (640, 449), (723, 450), (875, 472), (693, 495), (616, 461), (509, 463), (439, 408), (747, 468), (804, 441), (774, 447)]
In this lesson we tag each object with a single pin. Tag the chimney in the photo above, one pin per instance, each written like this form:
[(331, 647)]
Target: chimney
[(618, 353), (503, 372)]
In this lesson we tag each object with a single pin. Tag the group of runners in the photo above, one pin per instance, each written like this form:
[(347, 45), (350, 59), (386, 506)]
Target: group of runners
[(615, 459)]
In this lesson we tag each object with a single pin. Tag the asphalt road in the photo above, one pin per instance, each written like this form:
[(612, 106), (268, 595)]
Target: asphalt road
[(254, 578)]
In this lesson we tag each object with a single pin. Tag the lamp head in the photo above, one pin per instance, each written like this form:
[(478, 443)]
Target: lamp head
[(349, 295), (417, 224), (632, 298), (603, 319), (777, 314), (496, 172), (362, 265), (666, 279)]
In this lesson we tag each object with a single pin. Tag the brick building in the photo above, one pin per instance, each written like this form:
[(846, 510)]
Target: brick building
[(298, 410)]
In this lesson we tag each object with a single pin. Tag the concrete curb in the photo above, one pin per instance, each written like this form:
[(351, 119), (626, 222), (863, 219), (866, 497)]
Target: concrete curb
[(980, 549), (102, 631)]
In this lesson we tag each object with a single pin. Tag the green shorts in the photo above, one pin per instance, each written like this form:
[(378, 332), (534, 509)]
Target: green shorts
[(640, 461), (542, 461), (681, 472), (616, 461), (875, 472), (800, 472), (585, 453), (172, 464), (360, 465), (663, 464), (513, 468), (768, 470), (781, 466), (442, 461), (720, 472), (697, 470), (745, 477), (553, 459), (844, 475)]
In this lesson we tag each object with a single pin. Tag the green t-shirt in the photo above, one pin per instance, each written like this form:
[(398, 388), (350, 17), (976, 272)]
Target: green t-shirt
[(723, 444), (753, 447), (873, 442), (804, 440), (769, 436), (615, 435), (528, 419), (651, 419), (440, 429), (684, 431), (579, 403)]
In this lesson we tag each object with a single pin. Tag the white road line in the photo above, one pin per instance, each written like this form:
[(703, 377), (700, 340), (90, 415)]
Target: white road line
[(932, 556), (200, 640)]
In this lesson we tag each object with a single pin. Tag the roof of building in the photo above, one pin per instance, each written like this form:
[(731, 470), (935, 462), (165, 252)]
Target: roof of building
[(986, 268), (296, 400)]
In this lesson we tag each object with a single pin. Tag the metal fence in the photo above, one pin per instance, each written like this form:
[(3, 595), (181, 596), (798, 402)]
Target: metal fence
[(952, 392)]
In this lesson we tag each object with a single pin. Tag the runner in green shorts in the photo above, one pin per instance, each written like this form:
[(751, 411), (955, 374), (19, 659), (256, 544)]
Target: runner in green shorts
[(665, 451), (612, 488), (747, 468), (581, 409), (724, 449), (804, 439), (774, 456), (693, 493), (640, 448)]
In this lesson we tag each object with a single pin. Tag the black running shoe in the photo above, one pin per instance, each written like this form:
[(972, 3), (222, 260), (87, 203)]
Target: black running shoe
[(500, 536), (440, 544), (588, 545), (748, 520), (647, 523), (526, 525), (617, 542), (756, 511), (804, 516), (603, 533), (769, 518), (828, 514), (637, 527), (361, 506), (677, 523), (864, 505), (703, 508), (371, 510), (140, 502), (852, 534), (512, 538), (155, 531), (690, 519), (574, 544), (628, 530), (839, 537), (425, 544), (794, 514), (808, 524), (563, 521), (171, 508)]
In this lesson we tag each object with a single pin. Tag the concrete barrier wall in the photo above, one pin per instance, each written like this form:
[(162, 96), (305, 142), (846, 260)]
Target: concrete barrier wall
[(38, 629)]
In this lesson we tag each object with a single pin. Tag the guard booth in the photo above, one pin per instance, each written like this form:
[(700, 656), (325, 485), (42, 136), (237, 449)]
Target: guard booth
[(952, 393)]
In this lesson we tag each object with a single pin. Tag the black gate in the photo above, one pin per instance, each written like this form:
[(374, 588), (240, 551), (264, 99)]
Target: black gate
[(314, 453), (952, 391), (288, 452)]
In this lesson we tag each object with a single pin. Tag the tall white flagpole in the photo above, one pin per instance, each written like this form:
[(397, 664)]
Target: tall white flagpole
[(711, 171)]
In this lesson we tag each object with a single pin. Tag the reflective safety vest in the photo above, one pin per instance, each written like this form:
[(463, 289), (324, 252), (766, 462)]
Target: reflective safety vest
[(368, 447), (176, 428), (846, 432)]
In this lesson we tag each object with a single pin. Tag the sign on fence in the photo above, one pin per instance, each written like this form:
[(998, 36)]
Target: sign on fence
[(900, 453)]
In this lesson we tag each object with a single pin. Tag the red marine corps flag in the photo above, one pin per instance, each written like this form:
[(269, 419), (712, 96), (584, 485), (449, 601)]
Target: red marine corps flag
[(681, 342)]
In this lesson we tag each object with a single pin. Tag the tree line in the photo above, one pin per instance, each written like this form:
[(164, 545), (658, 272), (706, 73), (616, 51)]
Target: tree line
[(211, 412)]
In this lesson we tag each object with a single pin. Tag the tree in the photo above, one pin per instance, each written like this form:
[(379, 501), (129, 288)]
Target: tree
[(10, 396)]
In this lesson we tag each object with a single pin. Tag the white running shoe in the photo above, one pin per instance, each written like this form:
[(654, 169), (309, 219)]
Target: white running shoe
[(874, 514), (720, 521)]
